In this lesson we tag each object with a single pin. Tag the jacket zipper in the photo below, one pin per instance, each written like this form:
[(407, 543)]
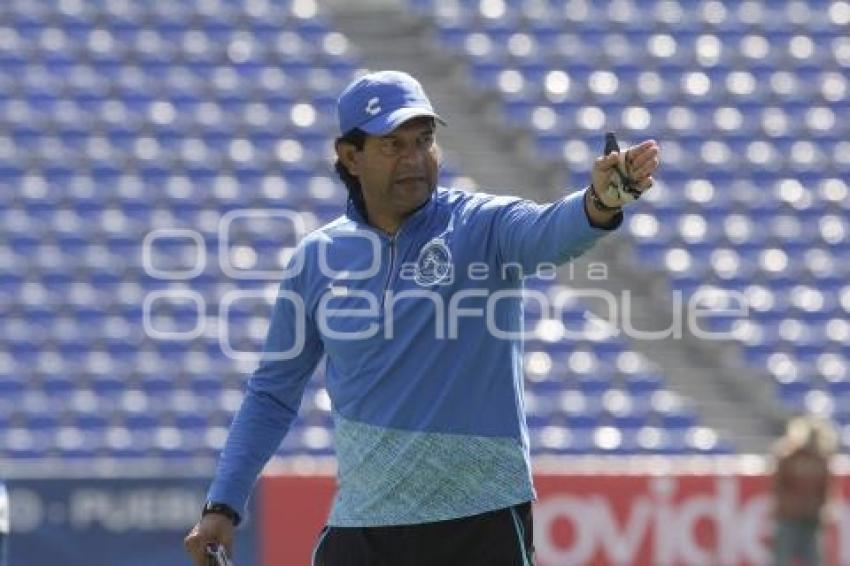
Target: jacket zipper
[(393, 247), (389, 273)]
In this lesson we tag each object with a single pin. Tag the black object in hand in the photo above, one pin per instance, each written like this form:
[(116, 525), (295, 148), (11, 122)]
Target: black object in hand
[(611, 144), (627, 184), (217, 556)]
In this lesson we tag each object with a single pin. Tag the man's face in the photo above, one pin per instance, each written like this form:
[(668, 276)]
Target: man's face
[(397, 171)]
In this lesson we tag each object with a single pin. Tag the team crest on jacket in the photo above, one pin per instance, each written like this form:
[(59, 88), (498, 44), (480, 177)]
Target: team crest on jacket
[(434, 265)]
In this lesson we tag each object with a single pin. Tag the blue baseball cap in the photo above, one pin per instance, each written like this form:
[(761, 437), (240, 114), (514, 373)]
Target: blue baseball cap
[(379, 102)]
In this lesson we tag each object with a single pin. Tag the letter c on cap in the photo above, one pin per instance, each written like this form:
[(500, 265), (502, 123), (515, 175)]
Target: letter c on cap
[(373, 107)]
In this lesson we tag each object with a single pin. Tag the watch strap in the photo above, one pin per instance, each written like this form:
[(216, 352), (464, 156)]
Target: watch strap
[(221, 509)]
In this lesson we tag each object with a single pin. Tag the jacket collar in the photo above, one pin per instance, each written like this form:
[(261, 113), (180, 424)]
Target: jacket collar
[(418, 215)]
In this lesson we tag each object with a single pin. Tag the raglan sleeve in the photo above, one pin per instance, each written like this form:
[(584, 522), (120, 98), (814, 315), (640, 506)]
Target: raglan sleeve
[(531, 234), (273, 394)]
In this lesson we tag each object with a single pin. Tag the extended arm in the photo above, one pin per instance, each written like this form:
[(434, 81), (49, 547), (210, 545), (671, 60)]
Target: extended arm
[(531, 234)]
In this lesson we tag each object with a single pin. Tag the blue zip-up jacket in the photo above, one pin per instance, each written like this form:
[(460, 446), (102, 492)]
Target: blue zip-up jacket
[(422, 333)]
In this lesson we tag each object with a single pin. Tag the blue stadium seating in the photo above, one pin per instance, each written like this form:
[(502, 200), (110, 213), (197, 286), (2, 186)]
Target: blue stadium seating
[(120, 118), (749, 102)]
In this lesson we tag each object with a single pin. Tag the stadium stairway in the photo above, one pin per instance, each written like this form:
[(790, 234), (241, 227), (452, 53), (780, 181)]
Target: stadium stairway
[(499, 160), (710, 372), (389, 36)]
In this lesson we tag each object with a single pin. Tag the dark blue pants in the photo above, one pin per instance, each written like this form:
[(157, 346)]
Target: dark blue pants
[(498, 538)]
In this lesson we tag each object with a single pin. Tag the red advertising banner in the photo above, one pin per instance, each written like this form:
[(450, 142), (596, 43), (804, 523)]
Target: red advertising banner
[(293, 509), (679, 519), (652, 520)]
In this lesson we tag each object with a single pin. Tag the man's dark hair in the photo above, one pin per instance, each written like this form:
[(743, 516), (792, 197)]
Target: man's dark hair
[(357, 138)]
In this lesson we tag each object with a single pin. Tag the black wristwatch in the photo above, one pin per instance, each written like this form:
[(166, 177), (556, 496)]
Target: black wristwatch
[(221, 509), (597, 202)]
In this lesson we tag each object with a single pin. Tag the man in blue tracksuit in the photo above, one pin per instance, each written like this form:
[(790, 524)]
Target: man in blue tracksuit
[(414, 296)]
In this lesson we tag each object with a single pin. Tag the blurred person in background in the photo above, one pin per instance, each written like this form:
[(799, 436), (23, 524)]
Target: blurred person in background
[(801, 488), (429, 431)]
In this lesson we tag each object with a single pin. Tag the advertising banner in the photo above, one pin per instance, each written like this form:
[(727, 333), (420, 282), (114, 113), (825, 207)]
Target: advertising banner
[(592, 519), (293, 511), (109, 522)]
